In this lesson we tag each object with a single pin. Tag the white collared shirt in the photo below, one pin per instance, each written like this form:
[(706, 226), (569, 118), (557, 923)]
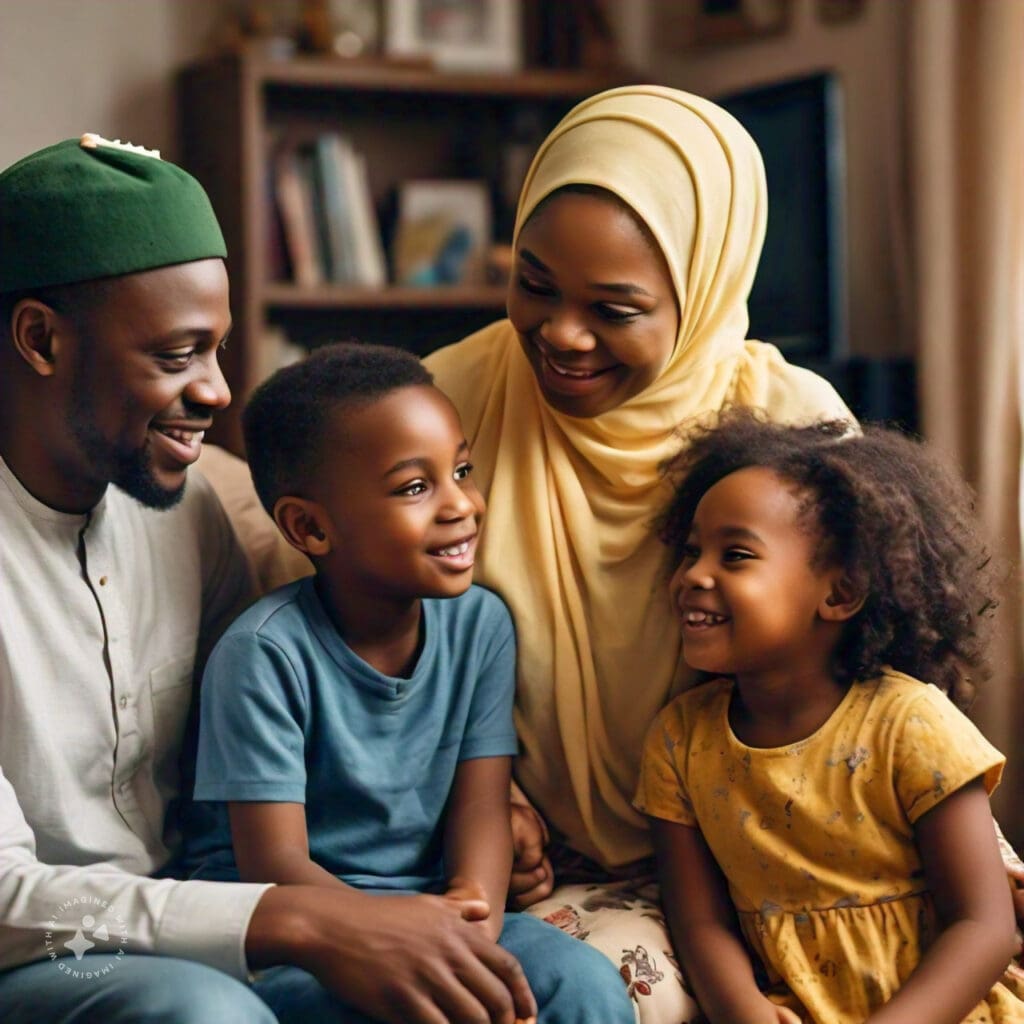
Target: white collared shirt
[(101, 617)]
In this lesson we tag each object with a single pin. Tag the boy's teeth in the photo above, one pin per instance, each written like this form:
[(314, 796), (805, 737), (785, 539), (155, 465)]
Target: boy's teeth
[(458, 549)]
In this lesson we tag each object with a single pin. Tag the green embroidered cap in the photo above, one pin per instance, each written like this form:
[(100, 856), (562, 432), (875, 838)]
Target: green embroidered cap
[(88, 208)]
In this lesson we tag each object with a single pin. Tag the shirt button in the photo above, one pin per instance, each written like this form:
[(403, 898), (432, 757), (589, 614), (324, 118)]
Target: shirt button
[(103, 581), (123, 702)]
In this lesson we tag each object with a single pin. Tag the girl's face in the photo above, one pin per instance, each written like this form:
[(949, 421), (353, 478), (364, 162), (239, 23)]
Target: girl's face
[(749, 596), (593, 303)]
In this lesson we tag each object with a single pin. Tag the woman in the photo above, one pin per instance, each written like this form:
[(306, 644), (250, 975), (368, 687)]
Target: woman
[(636, 241)]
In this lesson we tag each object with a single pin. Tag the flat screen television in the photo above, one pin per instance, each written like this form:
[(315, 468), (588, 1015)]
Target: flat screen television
[(797, 299)]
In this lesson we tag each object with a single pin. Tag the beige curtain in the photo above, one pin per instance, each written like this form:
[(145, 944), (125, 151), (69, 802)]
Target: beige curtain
[(965, 247)]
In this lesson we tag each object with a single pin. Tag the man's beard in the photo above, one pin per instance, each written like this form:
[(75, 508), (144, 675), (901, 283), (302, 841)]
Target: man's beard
[(131, 471)]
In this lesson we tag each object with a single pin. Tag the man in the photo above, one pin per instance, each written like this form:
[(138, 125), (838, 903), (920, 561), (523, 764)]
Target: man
[(115, 578)]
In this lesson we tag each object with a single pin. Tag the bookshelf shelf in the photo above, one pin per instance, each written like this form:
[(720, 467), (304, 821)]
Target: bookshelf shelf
[(409, 122), (284, 295)]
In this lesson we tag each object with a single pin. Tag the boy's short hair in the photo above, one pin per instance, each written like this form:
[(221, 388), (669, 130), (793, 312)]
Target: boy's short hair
[(284, 421)]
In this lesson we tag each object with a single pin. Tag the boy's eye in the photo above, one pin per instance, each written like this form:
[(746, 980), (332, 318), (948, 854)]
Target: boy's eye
[(689, 553), (411, 489), (463, 470)]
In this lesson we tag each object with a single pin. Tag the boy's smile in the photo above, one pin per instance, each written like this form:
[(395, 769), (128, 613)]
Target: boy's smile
[(403, 512)]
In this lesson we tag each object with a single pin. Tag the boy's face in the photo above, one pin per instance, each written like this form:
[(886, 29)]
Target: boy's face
[(403, 511), (748, 591)]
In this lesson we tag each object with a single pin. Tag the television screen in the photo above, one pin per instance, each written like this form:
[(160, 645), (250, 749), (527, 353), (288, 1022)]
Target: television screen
[(796, 301)]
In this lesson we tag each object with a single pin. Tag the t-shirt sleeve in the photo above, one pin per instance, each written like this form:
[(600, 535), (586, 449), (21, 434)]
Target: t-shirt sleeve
[(490, 731), (662, 791), (251, 730), (937, 751)]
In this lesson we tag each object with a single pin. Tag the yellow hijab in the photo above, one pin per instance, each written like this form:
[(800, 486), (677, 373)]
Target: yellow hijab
[(568, 540)]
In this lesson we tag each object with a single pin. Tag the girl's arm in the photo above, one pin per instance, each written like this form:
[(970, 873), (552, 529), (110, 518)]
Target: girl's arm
[(967, 880), (478, 838), (704, 929), (272, 845)]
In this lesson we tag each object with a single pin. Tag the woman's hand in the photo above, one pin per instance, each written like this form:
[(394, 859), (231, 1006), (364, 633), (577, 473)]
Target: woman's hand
[(532, 877), (1015, 869)]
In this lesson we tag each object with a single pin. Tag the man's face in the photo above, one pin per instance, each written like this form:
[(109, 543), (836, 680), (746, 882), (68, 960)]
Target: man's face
[(142, 380)]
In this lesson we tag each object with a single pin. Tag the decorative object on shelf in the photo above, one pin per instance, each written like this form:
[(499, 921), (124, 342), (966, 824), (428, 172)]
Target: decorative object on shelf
[(687, 24), (443, 234), (458, 35), (834, 11), (343, 28), (261, 26)]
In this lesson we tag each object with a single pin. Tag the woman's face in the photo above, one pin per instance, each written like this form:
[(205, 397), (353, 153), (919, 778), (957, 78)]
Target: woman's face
[(593, 303)]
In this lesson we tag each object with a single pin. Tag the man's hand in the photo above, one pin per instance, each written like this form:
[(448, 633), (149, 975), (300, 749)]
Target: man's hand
[(532, 876), (398, 959)]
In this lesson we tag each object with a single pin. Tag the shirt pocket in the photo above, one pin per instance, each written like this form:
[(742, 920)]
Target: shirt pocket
[(170, 686)]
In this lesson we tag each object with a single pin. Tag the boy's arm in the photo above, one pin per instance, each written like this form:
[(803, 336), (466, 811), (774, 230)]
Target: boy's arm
[(478, 838), (705, 933), (967, 880), (272, 845)]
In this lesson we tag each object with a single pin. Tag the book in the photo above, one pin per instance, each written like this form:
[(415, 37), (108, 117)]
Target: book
[(294, 197), (336, 204), (370, 264)]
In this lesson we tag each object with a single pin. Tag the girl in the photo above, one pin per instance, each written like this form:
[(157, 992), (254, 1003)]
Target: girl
[(814, 798)]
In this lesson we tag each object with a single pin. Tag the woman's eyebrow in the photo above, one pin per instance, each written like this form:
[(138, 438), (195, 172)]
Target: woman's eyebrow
[(621, 288)]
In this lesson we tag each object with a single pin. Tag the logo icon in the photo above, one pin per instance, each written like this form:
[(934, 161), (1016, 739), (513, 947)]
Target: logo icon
[(95, 928)]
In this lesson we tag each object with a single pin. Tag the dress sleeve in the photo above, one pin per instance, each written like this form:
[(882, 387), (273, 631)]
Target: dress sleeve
[(662, 790), (252, 724), (937, 751)]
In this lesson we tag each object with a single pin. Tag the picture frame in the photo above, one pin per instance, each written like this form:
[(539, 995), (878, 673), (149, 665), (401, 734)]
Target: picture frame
[(443, 232), (457, 35)]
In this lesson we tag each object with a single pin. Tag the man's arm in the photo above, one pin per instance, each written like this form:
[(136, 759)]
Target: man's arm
[(478, 838), (202, 921)]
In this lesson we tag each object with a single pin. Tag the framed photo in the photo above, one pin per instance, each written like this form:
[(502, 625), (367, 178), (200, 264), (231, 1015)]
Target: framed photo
[(443, 233), (458, 35)]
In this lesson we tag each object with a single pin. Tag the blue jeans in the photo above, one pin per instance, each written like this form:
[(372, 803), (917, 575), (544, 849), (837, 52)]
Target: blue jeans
[(573, 984)]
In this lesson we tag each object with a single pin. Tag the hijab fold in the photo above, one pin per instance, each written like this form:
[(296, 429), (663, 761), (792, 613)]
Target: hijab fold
[(568, 540)]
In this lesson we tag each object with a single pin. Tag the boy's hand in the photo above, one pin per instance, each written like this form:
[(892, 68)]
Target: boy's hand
[(532, 877), (398, 959), (470, 898)]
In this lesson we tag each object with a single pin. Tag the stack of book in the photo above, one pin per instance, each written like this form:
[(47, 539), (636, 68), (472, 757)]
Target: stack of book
[(328, 227)]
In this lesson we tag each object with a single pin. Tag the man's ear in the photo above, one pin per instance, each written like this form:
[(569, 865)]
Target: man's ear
[(305, 525), (843, 600), (33, 330)]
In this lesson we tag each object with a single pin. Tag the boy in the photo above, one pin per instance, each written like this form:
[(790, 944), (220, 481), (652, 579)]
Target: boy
[(356, 726)]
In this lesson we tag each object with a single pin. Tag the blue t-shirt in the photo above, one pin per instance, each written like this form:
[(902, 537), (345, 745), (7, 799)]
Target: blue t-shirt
[(291, 714)]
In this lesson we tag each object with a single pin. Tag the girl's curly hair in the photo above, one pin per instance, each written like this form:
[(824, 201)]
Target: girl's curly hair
[(900, 522)]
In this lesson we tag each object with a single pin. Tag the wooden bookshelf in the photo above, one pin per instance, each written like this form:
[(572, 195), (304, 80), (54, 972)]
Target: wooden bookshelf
[(411, 122)]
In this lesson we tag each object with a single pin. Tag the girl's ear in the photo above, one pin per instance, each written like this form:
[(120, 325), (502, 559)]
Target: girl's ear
[(843, 600), (304, 523)]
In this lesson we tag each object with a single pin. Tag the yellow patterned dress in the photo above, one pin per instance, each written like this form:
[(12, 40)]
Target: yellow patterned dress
[(816, 838)]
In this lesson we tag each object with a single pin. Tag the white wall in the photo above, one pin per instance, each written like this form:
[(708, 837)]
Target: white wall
[(107, 66)]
